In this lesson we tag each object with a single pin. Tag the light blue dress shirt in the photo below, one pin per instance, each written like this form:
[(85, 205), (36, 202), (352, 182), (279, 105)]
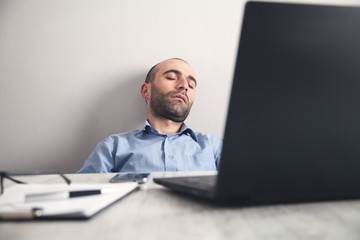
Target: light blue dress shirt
[(147, 150)]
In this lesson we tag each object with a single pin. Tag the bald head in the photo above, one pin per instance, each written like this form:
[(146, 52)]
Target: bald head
[(150, 77)]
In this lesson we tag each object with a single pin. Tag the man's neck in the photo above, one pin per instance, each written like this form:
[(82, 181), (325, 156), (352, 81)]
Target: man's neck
[(165, 126)]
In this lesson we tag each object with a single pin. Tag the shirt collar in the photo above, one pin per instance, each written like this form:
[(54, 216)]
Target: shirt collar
[(184, 130)]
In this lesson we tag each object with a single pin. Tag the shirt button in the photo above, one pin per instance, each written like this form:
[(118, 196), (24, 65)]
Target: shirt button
[(171, 157)]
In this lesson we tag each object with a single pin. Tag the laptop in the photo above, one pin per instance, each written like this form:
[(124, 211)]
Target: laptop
[(293, 126)]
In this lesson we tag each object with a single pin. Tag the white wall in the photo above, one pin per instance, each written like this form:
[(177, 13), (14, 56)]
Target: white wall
[(71, 70)]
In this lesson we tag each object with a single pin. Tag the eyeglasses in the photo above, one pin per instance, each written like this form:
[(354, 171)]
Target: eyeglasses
[(8, 175)]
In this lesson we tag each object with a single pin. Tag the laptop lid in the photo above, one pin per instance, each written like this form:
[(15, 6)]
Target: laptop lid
[(293, 125)]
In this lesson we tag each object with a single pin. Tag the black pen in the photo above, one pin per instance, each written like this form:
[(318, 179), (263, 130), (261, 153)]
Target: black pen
[(60, 195)]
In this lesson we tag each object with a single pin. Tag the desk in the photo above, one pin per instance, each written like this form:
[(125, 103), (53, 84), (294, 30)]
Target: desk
[(156, 213)]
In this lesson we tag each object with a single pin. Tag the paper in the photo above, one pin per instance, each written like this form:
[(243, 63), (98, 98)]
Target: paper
[(14, 206)]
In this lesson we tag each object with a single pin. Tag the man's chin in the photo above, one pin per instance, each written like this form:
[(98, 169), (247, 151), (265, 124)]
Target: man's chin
[(177, 116)]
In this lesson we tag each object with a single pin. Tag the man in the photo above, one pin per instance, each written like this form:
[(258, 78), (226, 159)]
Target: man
[(165, 143)]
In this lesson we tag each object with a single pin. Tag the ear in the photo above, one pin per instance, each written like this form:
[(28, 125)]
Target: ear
[(145, 91)]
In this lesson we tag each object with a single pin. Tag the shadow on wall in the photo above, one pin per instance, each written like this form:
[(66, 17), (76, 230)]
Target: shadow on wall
[(120, 109)]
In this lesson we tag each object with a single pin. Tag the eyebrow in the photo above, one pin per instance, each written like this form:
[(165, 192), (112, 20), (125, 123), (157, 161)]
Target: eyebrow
[(177, 72)]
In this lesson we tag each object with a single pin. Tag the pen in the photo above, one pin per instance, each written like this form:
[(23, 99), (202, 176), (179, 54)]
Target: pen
[(60, 195), (12, 212)]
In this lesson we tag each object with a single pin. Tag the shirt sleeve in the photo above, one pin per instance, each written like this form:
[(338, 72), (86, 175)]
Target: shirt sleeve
[(101, 160), (217, 146)]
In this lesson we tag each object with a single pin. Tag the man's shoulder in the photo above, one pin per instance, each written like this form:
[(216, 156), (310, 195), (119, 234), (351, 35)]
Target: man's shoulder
[(209, 140), (206, 136), (122, 135)]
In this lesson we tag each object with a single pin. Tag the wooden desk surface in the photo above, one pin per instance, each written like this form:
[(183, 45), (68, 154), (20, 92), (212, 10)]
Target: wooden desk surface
[(156, 213)]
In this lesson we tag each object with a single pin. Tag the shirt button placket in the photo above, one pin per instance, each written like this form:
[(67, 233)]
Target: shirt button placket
[(170, 161)]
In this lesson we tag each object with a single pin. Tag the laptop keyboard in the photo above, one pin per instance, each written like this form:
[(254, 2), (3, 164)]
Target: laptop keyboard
[(204, 182)]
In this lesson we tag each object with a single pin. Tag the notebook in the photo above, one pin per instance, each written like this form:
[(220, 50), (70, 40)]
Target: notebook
[(293, 126), (51, 201)]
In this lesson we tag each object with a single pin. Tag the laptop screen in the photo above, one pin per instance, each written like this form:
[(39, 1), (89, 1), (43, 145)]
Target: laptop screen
[(293, 124)]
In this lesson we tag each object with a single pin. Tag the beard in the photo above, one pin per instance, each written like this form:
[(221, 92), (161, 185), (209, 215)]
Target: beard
[(164, 106)]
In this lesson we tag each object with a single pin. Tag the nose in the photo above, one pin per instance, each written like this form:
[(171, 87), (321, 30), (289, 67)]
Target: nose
[(183, 84)]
